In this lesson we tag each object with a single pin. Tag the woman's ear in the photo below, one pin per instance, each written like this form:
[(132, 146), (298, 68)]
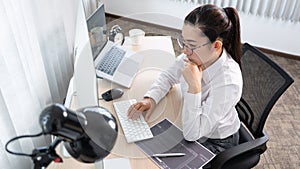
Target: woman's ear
[(218, 45)]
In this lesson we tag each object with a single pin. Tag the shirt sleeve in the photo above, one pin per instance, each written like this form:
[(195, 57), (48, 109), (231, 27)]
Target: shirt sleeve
[(166, 80)]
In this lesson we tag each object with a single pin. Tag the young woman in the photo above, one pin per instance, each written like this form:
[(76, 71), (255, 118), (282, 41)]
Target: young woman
[(210, 78)]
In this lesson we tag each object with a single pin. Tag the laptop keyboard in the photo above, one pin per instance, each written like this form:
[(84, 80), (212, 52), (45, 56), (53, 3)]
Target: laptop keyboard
[(111, 60)]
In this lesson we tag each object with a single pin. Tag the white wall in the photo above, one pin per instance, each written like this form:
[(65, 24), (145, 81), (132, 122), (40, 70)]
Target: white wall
[(272, 34)]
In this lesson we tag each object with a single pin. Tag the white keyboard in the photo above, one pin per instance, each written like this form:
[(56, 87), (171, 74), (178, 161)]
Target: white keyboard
[(134, 130)]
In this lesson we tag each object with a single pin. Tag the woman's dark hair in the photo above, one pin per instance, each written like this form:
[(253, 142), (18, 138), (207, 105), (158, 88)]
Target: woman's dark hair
[(221, 23)]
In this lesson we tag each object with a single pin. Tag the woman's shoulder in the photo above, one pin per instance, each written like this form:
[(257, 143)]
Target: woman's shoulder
[(231, 70), (230, 63)]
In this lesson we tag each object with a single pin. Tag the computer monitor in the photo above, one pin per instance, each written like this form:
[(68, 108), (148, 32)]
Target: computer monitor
[(85, 80), (96, 24)]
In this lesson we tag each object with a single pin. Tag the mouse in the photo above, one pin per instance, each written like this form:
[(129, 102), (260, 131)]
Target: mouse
[(112, 94)]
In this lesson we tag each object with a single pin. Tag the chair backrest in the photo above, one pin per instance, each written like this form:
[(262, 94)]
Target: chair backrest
[(264, 82)]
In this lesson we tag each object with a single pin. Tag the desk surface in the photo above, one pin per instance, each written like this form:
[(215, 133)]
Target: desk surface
[(158, 54)]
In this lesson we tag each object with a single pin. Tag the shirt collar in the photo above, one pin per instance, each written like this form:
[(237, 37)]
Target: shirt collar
[(210, 71)]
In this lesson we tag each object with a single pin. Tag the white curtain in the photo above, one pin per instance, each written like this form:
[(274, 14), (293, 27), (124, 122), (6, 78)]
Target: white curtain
[(36, 64), (287, 10), (90, 6)]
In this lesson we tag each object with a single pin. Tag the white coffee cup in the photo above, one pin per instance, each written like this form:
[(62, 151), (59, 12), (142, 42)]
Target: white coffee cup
[(136, 36)]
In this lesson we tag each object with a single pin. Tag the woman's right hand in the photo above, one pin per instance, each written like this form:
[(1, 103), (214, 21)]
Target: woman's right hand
[(192, 75), (147, 104)]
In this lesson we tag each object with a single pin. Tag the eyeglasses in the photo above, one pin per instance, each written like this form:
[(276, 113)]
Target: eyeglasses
[(189, 49)]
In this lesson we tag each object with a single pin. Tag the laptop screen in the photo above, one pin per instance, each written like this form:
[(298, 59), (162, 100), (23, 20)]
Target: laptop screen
[(97, 29)]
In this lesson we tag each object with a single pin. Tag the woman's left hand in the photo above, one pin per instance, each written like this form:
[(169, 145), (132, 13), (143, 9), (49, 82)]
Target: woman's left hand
[(192, 75)]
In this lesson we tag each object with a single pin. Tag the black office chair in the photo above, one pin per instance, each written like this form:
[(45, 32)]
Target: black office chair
[(264, 82)]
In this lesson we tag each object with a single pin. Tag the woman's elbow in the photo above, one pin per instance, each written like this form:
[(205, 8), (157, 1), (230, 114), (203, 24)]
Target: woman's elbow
[(189, 136)]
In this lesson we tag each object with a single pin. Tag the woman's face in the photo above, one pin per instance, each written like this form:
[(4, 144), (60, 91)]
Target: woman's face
[(203, 51)]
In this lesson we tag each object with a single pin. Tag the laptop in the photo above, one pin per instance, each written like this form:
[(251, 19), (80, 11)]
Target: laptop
[(112, 62)]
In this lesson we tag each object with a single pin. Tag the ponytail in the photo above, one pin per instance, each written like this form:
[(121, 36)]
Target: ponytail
[(232, 42)]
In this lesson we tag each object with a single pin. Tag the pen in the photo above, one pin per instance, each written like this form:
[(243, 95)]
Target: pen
[(169, 155)]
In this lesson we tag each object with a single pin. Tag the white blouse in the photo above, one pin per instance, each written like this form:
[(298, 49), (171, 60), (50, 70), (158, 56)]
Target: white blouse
[(210, 113)]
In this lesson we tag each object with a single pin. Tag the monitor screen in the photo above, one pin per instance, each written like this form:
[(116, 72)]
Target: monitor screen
[(85, 81), (97, 29)]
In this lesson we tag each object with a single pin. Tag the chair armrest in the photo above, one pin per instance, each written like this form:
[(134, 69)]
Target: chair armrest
[(258, 144)]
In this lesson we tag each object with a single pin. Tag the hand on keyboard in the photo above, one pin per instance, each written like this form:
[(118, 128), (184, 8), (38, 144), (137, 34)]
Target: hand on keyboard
[(134, 130), (136, 109)]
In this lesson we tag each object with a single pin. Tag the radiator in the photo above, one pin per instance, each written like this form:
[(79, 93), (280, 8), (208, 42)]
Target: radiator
[(287, 10)]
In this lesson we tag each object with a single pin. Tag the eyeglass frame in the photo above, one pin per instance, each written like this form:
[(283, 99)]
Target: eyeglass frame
[(182, 44)]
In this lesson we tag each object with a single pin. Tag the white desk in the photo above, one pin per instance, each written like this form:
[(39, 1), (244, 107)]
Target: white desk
[(158, 54), (158, 51)]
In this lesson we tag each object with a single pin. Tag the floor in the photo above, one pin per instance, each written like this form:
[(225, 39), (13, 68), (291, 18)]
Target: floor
[(283, 123)]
